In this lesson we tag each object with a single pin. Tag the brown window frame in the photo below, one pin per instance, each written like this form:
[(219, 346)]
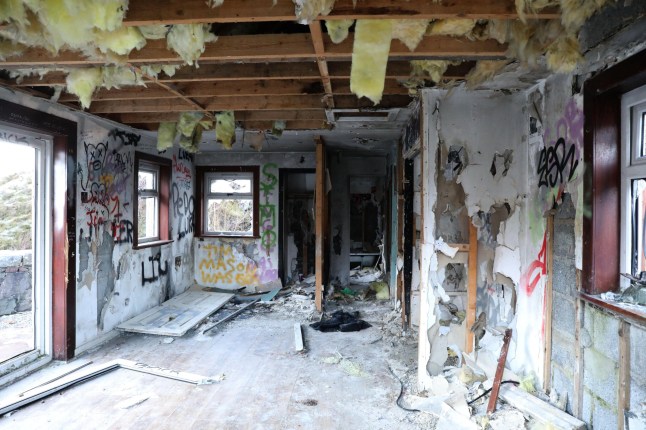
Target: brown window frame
[(602, 180), (201, 171), (164, 186)]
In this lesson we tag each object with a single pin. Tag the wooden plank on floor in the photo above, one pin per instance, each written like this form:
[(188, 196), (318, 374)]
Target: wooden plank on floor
[(298, 338), (472, 285), (319, 218), (178, 315)]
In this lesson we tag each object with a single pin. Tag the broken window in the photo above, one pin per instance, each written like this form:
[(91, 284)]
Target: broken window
[(229, 205), (634, 181), (151, 213)]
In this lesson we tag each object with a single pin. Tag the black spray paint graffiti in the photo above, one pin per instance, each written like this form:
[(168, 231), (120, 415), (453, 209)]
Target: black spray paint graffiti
[(556, 161), (155, 261), (184, 155), (184, 212), (127, 139)]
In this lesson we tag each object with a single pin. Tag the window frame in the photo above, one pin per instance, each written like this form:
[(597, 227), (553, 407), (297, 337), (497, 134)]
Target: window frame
[(202, 195), (148, 162)]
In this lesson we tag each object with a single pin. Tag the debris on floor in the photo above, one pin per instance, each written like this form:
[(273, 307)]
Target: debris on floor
[(365, 275), (350, 367), (341, 321)]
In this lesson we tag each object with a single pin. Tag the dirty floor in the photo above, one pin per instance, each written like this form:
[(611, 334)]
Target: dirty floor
[(342, 381)]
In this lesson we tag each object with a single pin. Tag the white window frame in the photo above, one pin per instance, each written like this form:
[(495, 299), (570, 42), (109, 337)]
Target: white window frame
[(208, 195), (633, 166), (153, 192)]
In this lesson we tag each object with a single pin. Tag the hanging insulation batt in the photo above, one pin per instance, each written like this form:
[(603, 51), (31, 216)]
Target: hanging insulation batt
[(410, 31), (12, 10), (483, 71), (308, 10), (338, 29), (452, 27), (564, 54), (225, 128), (574, 13), (187, 122), (154, 70), (431, 68), (154, 32), (166, 135), (117, 77), (370, 57), (188, 40), (277, 127), (83, 83), (107, 15), (121, 41)]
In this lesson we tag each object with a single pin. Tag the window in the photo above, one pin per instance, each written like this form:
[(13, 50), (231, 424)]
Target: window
[(229, 201), (152, 186), (633, 182)]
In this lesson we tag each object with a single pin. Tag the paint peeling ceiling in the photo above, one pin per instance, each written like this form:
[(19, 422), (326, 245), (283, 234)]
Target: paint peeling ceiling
[(281, 66)]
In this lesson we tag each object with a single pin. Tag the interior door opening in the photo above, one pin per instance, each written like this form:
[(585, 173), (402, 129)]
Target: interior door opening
[(25, 247)]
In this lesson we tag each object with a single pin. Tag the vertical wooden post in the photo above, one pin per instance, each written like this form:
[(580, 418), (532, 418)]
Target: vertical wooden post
[(500, 370), (472, 285), (320, 215), (579, 309), (547, 351), (623, 388)]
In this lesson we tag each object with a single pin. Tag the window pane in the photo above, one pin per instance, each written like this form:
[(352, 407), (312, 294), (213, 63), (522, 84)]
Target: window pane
[(643, 135), (147, 226), (231, 186), (147, 180), (230, 216), (639, 230)]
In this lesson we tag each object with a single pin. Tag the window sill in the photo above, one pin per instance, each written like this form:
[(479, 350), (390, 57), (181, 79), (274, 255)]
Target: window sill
[(621, 310), (151, 244)]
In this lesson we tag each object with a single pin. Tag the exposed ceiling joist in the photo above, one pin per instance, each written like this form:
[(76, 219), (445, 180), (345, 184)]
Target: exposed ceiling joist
[(140, 12), (319, 48), (261, 48), (246, 116)]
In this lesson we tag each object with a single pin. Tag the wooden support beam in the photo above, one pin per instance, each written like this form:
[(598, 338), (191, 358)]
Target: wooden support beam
[(242, 116), (319, 48), (500, 369), (547, 352), (197, 11), (266, 48), (623, 387), (472, 285), (320, 197)]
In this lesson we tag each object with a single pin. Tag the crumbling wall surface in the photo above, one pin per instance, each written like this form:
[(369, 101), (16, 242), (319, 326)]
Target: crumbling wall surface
[(115, 282), (238, 262), (15, 281), (341, 168), (479, 141)]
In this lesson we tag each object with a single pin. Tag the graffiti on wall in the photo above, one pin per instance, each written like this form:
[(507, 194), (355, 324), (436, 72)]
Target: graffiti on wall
[(536, 270), (105, 190), (222, 265), (183, 211), (267, 210), (182, 169), (154, 270)]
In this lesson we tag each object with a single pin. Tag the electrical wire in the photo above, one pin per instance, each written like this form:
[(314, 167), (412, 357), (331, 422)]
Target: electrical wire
[(401, 392), (489, 391)]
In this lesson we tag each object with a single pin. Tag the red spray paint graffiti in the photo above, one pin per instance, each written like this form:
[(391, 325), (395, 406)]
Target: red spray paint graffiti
[(537, 269)]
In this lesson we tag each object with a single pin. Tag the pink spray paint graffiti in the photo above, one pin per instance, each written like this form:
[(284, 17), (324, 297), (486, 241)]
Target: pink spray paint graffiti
[(537, 269)]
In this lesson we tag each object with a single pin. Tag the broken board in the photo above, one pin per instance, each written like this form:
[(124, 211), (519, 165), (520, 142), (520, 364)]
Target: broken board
[(178, 315)]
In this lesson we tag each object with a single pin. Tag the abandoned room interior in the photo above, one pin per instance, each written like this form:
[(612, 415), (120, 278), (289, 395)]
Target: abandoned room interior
[(369, 214)]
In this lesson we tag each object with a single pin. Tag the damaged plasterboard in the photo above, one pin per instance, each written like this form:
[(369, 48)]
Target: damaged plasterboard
[(98, 370), (448, 418), (178, 315), (507, 262), (445, 248), (509, 231)]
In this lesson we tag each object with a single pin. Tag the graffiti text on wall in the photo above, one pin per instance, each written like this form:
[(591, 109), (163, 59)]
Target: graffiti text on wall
[(222, 266), (182, 170), (537, 269), (155, 269), (267, 210), (183, 211), (554, 162)]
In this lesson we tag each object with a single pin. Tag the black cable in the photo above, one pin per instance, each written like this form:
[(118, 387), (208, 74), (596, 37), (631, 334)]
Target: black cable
[(401, 393), (489, 391)]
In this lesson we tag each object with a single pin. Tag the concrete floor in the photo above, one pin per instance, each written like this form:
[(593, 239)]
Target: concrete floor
[(267, 385)]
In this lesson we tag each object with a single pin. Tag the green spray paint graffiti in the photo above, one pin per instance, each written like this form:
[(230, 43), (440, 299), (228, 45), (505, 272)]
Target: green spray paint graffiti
[(268, 238)]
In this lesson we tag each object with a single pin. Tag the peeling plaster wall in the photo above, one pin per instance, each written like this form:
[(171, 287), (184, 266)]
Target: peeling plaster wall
[(480, 142), (233, 263), (342, 167), (114, 282)]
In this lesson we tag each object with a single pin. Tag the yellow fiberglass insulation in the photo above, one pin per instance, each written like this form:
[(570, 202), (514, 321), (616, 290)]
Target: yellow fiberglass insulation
[(277, 127), (452, 27), (120, 76), (483, 71), (308, 10), (498, 29), (107, 15), (225, 128), (120, 41), (166, 135), (532, 6), (12, 10), (191, 143), (153, 70), (410, 31), (30, 33), (576, 12), (528, 42), (370, 57), (9, 49), (431, 68), (83, 83), (66, 22), (154, 32), (188, 40), (338, 29), (187, 122), (563, 55)]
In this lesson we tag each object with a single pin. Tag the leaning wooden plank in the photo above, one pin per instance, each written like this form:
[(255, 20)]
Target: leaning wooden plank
[(493, 398), (47, 389), (541, 411), (298, 338), (178, 315), (228, 317)]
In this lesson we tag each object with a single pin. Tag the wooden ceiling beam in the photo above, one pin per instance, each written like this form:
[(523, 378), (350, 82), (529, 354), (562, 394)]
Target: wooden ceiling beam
[(319, 48), (140, 12), (243, 116), (277, 47), (289, 125), (244, 103)]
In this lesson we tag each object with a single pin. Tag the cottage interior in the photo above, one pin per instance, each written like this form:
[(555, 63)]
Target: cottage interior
[(467, 175)]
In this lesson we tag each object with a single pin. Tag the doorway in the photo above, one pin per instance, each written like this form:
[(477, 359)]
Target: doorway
[(25, 247)]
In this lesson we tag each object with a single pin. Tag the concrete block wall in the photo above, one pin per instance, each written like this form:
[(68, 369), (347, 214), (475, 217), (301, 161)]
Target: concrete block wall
[(15, 281)]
